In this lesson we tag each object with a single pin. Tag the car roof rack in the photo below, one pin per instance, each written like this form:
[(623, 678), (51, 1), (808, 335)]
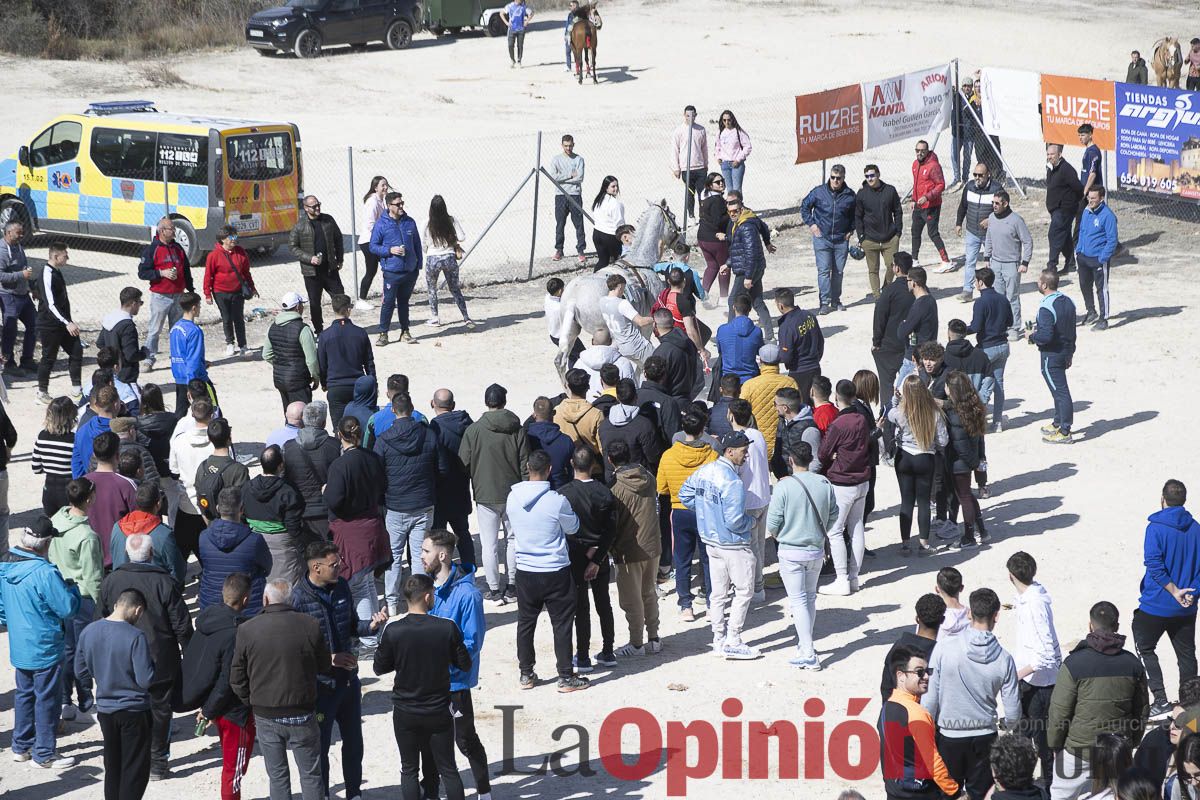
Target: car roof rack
[(120, 107)]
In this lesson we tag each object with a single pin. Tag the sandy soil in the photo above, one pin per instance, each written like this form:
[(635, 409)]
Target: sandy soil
[(1079, 510)]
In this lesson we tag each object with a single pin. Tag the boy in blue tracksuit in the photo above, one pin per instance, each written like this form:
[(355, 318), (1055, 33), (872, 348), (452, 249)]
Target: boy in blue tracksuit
[(397, 242), (1096, 245), (1054, 336), (457, 598), (187, 351)]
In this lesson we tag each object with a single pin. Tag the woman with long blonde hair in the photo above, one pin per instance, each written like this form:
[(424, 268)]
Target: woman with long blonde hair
[(921, 429), (966, 421)]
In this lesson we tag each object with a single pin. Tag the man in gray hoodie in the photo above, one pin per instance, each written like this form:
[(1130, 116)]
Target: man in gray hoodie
[(969, 670), (1008, 247)]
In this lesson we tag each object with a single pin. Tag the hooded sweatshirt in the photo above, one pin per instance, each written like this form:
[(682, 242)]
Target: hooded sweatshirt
[(1172, 555), (968, 672), (453, 486), (207, 662), (365, 402), (166, 552), (545, 435), (595, 357), (627, 424), (580, 420), (956, 621), (494, 451), (228, 547), (77, 553), (189, 447), (637, 535), (541, 519), (677, 465), (118, 331), (274, 508), (1037, 641)]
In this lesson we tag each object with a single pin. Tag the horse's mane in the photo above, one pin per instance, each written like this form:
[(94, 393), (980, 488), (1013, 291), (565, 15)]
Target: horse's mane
[(583, 12)]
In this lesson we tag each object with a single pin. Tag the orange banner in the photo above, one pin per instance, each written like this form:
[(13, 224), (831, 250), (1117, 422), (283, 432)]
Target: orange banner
[(829, 124), (1067, 103)]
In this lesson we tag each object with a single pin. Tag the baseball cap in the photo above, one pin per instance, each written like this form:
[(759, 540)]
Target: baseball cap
[(290, 301), (734, 439), (769, 353)]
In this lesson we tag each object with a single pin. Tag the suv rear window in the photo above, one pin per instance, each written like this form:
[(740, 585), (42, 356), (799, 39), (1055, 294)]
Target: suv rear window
[(259, 156)]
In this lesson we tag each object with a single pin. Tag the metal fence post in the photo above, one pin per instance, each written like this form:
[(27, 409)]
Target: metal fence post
[(353, 222), (537, 184)]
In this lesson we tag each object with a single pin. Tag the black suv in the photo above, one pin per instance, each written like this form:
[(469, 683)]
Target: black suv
[(305, 26)]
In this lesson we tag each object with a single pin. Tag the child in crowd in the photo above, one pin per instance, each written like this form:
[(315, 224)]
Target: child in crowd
[(553, 307), (949, 587)]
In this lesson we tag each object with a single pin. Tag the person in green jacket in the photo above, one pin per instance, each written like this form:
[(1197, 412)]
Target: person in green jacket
[(803, 508), (77, 553)]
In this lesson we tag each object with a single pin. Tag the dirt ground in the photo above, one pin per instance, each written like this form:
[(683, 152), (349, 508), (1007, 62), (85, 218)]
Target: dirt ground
[(1080, 510)]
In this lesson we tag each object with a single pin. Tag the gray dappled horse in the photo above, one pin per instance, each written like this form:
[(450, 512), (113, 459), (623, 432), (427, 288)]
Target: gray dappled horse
[(656, 231)]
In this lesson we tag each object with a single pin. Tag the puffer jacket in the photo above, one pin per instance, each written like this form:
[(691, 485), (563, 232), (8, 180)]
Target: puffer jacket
[(300, 242), (718, 496), (412, 461), (495, 452), (637, 536), (34, 603), (678, 464), (158, 426), (389, 233), (849, 439), (747, 259), (453, 487), (976, 205), (964, 448), (1100, 688), (832, 212), (928, 182), (225, 548), (306, 461), (458, 599), (333, 609), (738, 342), (760, 392), (275, 509)]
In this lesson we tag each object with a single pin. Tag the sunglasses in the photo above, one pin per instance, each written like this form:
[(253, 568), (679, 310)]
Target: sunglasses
[(871, 175), (314, 205), (396, 204), (920, 672), (718, 180), (979, 174), (836, 178)]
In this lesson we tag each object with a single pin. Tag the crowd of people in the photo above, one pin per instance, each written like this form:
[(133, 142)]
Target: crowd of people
[(657, 465)]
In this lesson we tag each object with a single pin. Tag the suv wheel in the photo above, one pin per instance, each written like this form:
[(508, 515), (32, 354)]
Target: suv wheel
[(399, 35), (496, 26), (185, 235), (308, 44)]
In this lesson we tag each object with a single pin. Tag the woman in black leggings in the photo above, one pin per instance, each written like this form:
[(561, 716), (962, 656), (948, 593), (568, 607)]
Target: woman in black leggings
[(966, 419), (373, 207), (608, 214), (922, 430)]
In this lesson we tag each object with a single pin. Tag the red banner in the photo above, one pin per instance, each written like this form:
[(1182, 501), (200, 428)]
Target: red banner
[(829, 124)]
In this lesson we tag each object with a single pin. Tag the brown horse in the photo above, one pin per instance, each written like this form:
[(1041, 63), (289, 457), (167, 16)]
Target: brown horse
[(583, 40), (1167, 61)]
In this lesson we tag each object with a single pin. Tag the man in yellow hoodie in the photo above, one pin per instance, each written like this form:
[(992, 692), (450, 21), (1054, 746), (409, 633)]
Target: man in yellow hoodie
[(675, 467), (760, 391)]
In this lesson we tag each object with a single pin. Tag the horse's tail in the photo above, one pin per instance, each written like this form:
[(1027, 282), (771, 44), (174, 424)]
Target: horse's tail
[(568, 317)]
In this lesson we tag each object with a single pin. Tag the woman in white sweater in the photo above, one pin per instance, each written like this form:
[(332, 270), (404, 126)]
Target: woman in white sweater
[(373, 206), (608, 214)]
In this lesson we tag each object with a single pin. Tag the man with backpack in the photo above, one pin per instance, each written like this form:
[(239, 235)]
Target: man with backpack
[(219, 471), (119, 331)]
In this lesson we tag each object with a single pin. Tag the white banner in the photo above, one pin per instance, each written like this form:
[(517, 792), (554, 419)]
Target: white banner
[(1010, 99), (907, 106)]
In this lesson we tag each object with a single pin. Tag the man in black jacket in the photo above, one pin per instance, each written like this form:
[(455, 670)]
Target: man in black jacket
[(306, 461), (801, 342), (962, 356), (344, 355), (657, 403), (878, 221), (275, 509), (316, 242), (920, 323), (594, 504), (168, 629), (452, 489), (1063, 195), (991, 319), (119, 331), (683, 379), (207, 663), (887, 347), (627, 423), (56, 330)]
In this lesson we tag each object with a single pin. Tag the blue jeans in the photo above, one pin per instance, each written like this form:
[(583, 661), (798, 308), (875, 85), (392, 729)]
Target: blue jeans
[(36, 710), (687, 542), (397, 289), (733, 175), (831, 263), (404, 528), (800, 572), (342, 703), (998, 355), (74, 626), (960, 158), (18, 308), (971, 247), (1054, 372)]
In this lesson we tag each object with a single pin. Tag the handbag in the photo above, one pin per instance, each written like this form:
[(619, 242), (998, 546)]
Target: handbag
[(247, 291)]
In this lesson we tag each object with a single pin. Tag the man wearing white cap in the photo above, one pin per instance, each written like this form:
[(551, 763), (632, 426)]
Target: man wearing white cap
[(291, 350)]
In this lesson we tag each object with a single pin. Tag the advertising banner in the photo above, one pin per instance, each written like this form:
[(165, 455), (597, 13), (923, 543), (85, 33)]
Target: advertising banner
[(1067, 103), (829, 124), (907, 106), (1008, 100), (1158, 140)]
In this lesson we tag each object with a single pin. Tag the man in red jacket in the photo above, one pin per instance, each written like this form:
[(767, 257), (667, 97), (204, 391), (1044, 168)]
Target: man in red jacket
[(845, 450), (928, 186), (165, 264)]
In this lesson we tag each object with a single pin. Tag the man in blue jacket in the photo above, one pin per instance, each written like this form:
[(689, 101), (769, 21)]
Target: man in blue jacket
[(397, 242), (457, 598), (1168, 601), (1097, 243), (1055, 338), (991, 318), (718, 496), (828, 211), (748, 237), (738, 342), (229, 546), (344, 355), (35, 601), (188, 360)]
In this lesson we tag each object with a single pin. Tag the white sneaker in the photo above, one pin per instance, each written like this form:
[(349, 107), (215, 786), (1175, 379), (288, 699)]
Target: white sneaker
[(947, 266), (813, 663), (69, 713), (741, 652), (631, 650), (364, 305), (21, 757), (839, 588), (654, 646), (718, 646), (56, 762), (230, 350), (434, 321)]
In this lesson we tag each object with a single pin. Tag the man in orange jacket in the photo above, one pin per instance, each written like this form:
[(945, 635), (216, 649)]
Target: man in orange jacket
[(912, 766)]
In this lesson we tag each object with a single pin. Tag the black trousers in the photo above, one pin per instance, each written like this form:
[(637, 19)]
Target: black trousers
[(232, 307), (1093, 283), (1061, 240), (554, 592), (338, 398), (576, 350), (968, 760), (1147, 630), (915, 476), (459, 522), (608, 249), (926, 219), (943, 486), (126, 754), (468, 743), (54, 493), (694, 180), (160, 724), (664, 531), (188, 528), (1035, 713), (887, 367), (55, 338), (433, 734), (804, 381), (370, 267), (326, 280), (562, 208), (583, 612), (289, 396)]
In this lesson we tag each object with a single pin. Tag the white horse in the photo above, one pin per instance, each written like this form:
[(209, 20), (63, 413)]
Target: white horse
[(656, 230)]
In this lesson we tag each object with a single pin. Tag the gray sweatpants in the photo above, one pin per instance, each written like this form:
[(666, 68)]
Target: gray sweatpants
[(1008, 283)]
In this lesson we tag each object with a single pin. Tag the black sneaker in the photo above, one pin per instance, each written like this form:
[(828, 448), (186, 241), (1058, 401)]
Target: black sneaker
[(572, 684), (1089, 318), (1100, 325), (823, 310), (1160, 709), (528, 680), (494, 596), (605, 658)]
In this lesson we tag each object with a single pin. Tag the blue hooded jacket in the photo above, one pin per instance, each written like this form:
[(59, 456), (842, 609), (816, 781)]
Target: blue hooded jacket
[(34, 603), (1172, 555), (366, 400), (228, 547), (738, 342), (544, 435), (85, 440), (458, 599), (389, 233), (1097, 233)]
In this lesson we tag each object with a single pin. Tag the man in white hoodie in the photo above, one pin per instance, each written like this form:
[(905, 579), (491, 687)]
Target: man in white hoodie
[(969, 670), (1037, 655), (190, 446), (600, 353)]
